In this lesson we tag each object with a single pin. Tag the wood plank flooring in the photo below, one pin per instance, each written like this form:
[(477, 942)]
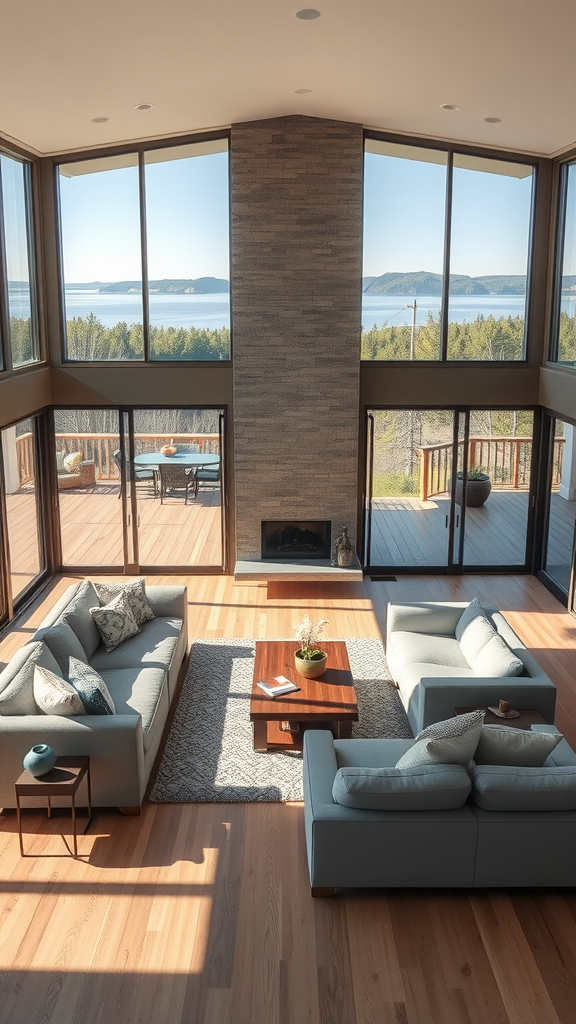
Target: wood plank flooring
[(201, 914), (408, 532)]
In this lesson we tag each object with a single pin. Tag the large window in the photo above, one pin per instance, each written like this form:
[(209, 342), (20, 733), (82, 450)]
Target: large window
[(564, 331), (18, 282), (145, 255), (446, 255), (22, 546)]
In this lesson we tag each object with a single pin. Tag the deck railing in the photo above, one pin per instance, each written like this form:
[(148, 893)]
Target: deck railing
[(507, 460), (100, 448)]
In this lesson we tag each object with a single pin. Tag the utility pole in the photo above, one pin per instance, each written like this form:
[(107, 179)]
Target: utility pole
[(412, 306)]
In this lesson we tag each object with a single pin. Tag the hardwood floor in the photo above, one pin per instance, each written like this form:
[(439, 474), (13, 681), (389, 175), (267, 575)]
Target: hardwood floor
[(202, 913)]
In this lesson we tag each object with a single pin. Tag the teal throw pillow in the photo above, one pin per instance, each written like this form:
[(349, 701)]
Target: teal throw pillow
[(91, 688)]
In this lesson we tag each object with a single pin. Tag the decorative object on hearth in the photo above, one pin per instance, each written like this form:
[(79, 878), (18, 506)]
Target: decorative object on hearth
[(478, 487), (169, 449), (39, 760), (310, 660), (344, 550)]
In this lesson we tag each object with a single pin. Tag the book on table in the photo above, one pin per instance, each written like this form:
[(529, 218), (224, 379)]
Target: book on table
[(278, 687)]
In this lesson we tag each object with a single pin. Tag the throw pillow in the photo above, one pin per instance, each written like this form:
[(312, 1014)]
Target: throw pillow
[(54, 695), (72, 461), (496, 659), (501, 744), (470, 613), (17, 679), (135, 591), (91, 688), (450, 742), (115, 622), (438, 787), (475, 632), (60, 456), (62, 642)]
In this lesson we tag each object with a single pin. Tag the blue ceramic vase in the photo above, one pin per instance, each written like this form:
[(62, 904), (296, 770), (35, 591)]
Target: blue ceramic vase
[(39, 760)]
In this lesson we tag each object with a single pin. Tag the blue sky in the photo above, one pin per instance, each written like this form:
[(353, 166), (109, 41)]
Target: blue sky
[(187, 221), (404, 211)]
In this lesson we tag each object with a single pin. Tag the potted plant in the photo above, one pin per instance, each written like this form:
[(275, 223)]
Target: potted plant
[(310, 660), (478, 487)]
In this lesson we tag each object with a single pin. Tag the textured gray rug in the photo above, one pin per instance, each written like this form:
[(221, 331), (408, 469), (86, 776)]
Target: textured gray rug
[(208, 755)]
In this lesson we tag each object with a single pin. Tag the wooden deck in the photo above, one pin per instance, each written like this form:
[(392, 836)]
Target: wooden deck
[(91, 527), (408, 532), (201, 913)]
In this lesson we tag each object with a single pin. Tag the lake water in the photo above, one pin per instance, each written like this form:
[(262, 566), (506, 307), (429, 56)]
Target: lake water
[(213, 311)]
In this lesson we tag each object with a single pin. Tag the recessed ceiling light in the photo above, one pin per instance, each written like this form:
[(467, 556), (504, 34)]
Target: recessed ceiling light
[(308, 14), (450, 106), (143, 106), (302, 92), (100, 120), (493, 120)]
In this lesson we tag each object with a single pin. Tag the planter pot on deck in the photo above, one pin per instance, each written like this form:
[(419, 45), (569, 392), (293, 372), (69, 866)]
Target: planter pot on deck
[(477, 492)]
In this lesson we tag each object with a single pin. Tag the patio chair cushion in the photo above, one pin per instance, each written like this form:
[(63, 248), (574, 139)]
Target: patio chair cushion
[(54, 695), (60, 467), (91, 688), (115, 621), (72, 461)]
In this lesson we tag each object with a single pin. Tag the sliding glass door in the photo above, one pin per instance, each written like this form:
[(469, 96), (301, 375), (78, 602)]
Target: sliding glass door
[(560, 516), (448, 490), (140, 489), (22, 543)]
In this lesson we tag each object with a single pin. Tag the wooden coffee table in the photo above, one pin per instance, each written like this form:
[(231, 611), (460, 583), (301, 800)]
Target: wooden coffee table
[(328, 702)]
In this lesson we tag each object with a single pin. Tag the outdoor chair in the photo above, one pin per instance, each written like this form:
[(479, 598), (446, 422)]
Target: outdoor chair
[(178, 478), (209, 474), (189, 449), (139, 473)]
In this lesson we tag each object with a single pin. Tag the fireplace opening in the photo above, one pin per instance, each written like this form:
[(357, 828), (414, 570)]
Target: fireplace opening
[(296, 539)]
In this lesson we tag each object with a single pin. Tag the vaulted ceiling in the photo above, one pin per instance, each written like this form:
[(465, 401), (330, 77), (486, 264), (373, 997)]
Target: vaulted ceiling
[(208, 63)]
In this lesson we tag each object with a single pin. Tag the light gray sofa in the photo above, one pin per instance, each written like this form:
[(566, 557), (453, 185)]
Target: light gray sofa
[(433, 675), (141, 675), (465, 846)]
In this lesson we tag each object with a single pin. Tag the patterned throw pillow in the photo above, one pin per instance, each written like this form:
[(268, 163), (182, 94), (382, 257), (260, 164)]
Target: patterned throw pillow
[(453, 741), (135, 591), (115, 622), (72, 461), (91, 688), (54, 696)]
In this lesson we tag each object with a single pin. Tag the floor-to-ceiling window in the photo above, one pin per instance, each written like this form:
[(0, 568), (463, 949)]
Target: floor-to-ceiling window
[(22, 547), (448, 489), (18, 292)]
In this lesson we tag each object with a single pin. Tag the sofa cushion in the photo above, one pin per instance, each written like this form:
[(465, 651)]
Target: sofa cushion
[(496, 659), (475, 636), (436, 787), (77, 615), (500, 744), (139, 693), (154, 647), (473, 611), (135, 592), (423, 647), (17, 679), (91, 689), (72, 461), (507, 788), (63, 643), (115, 621), (54, 696), (453, 741)]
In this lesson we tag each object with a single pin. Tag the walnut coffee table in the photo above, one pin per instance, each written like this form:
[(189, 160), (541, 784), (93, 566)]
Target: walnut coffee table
[(328, 702)]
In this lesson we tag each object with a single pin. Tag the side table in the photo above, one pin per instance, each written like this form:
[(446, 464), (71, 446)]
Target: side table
[(63, 780), (526, 718)]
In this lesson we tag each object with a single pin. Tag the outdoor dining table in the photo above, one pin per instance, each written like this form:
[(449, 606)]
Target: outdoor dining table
[(152, 460)]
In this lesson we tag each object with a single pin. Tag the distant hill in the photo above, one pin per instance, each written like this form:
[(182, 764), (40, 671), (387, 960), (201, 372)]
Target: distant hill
[(423, 282), (172, 286)]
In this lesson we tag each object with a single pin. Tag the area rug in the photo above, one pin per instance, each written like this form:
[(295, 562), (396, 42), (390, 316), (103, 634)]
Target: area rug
[(208, 755)]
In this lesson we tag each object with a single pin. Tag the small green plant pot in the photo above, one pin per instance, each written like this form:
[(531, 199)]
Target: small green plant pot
[(310, 668)]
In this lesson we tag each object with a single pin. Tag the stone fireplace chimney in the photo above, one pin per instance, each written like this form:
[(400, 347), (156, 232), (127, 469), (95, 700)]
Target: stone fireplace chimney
[(296, 186)]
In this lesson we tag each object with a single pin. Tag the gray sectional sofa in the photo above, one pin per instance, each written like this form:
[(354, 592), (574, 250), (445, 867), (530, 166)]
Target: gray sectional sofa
[(141, 675), (482, 832), (435, 670)]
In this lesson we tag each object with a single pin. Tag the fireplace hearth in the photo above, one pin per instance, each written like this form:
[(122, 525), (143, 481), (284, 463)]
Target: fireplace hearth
[(298, 539)]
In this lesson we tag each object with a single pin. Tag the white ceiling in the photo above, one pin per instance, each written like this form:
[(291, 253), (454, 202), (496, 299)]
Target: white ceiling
[(209, 63)]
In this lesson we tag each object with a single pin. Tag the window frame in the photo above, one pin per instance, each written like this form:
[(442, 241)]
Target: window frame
[(140, 151), (559, 222), (452, 150), (32, 217)]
